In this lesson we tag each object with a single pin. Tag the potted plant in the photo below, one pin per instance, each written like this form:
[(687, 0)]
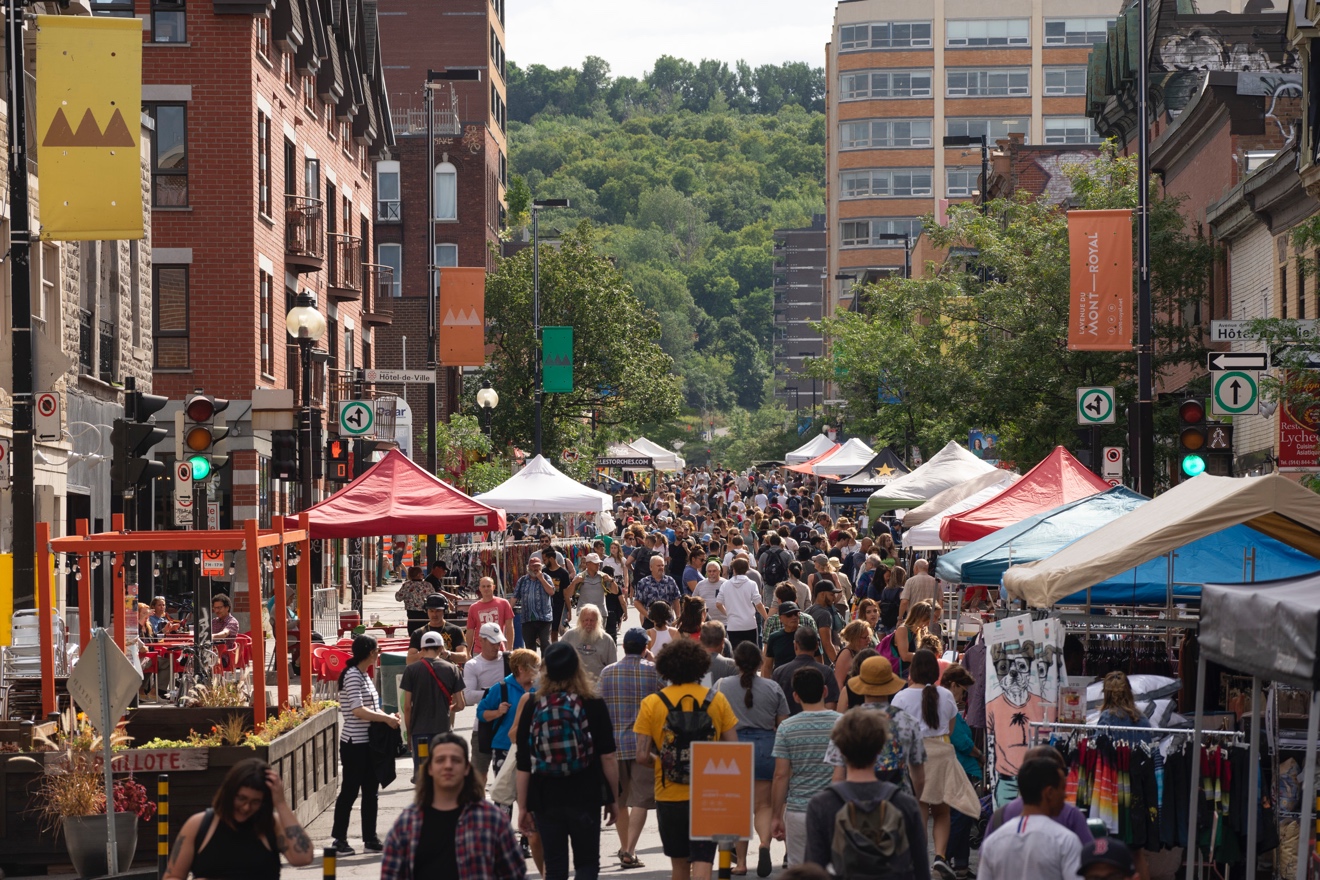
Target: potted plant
[(71, 799)]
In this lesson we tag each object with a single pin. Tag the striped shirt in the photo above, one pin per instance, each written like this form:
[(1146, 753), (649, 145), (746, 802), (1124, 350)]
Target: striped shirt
[(802, 740), (357, 690), (623, 686)]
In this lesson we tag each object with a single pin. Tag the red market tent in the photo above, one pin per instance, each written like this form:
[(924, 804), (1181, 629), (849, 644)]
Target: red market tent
[(396, 497), (1059, 479), (806, 466)]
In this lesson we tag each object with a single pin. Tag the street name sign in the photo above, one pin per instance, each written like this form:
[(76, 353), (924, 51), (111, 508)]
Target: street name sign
[(1233, 331), (400, 376), (1235, 392), (1095, 406), (1219, 361)]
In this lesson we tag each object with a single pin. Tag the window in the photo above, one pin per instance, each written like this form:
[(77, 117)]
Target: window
[(504, 168), (290, 168), (1065, 81), (48, 304), (961, 181), (286, 70), (497, 53), (864, 233), (885, 35), (169, 161), (309, 95), (446, 255), (350, 353), (988, 32), (446, 192), (170, 292), (263, 164), (116, 8), (267, 323), (886, 183), (263, 37), (169, 21), (886, 133), (312, 178), (134, 292), (995, 82), (1076, 31), (886, 84), (498, 109), (1069, 130), (994, 129), (392, 255)]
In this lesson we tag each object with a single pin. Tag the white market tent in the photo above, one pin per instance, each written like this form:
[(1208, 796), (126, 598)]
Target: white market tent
[(540, 488), (952, 465), (663, 459), (847, 460), (816, 446), (997, 478), (927, 535), (1204, 505)]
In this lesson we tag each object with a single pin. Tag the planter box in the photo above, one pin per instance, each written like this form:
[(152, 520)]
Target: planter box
[(307, 759), (172, 722)]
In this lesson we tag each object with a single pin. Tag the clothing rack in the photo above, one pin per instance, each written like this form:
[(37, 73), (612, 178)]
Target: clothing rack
[(1163, 731)]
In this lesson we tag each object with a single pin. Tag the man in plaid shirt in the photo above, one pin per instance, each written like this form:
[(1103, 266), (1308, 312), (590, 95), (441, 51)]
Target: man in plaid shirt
[(655, 587), (623, 686)]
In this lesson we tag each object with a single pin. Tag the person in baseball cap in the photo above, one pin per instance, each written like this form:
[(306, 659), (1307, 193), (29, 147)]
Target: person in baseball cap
[(491, 632), (1107, 858)]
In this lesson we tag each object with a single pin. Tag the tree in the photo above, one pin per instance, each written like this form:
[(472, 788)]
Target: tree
[(620, 372)]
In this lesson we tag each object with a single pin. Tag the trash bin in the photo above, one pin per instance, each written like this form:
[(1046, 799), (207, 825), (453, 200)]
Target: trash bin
[(392, 664)]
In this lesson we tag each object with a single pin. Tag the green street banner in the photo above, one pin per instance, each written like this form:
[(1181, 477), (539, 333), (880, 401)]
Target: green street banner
[(557, 360)]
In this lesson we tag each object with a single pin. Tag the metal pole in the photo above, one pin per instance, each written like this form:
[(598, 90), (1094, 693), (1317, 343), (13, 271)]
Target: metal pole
[(308, 432), (536, 324), (985, 174), (20, 245), (107, 727), (907, 255), (1145, 312), (1253, 781), (1198, 716), (432, 454), (1308, 789), (162, 824)]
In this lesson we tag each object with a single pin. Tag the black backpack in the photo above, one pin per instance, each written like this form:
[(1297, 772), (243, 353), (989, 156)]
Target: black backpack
[(774, 569), (683, 727), (890, 597)]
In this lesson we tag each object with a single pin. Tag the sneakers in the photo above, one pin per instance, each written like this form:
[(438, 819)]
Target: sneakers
[(373, 845), (940, 868), (342, 848)]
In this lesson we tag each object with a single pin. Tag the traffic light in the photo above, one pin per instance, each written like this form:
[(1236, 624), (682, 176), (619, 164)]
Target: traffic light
[(315, 461), (1191, 438), (339, 462), (131, 441), (202, 430), (284, 455), (362, 452)]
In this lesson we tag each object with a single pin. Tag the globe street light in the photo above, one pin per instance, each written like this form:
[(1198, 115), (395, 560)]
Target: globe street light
[(306, 325), (487, 398)]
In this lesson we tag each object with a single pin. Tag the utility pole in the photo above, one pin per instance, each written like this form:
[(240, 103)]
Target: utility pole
[(1145, 463), (539, 394), (20, 248)]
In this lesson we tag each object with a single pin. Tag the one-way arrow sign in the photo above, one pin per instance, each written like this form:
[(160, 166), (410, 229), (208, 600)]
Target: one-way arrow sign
[(1219, 361)]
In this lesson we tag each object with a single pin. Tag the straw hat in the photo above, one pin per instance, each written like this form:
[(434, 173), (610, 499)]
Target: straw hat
[(876, 679)]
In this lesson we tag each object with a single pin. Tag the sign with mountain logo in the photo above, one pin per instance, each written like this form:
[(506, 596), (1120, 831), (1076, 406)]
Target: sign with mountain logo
[(462, 321), (557, 360), (88, 129)]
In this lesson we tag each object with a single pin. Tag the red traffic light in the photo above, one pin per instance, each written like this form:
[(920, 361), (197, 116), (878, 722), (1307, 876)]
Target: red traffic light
[(203, 407), (1191, 411)]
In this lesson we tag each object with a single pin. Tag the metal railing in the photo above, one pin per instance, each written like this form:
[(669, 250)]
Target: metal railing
[(407, 120), (304, 227), (86, 341), (378, 293), (345, 266)]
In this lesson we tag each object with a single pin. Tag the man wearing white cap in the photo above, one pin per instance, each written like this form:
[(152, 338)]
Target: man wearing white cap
[(486, 669)]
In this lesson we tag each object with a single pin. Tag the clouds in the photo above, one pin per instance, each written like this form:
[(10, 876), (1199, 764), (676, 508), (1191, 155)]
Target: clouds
[(631, 35)]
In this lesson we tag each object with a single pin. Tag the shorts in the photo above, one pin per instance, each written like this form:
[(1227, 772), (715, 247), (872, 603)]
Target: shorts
[(672, 817), (636, 785)]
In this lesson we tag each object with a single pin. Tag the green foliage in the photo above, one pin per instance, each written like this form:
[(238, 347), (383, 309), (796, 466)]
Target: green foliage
[(749, 437), (687, 173), (961, 352)]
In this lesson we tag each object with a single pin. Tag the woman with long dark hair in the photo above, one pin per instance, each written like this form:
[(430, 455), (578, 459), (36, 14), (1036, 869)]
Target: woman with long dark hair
[(360, 705), (244, 832), (946, 786), (759, 705), (692, 616)]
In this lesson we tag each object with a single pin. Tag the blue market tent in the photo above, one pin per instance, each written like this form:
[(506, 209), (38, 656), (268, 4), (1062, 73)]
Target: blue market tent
[(1223, 557)]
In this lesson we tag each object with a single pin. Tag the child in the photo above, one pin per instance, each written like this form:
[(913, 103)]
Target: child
[(660, 614)]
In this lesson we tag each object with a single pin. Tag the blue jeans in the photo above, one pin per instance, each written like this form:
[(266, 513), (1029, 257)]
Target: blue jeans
[(579, 826)]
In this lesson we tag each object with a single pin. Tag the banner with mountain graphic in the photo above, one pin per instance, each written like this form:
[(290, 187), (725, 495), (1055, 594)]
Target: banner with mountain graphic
[(462, 316), (557, 360), (88, 127)]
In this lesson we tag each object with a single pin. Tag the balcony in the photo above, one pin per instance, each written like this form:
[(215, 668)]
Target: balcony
[(378, 299), (304, 234), (86, 342), (106, 361), (444, 121), (344, 273)]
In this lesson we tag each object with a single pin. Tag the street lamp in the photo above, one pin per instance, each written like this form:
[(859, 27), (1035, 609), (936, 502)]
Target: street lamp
[(307, 326), (906, 238), (966, 140), (487, 398), (537, 205)]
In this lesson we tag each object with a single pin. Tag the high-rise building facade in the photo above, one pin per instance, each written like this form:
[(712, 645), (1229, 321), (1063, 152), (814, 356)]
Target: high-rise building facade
[(799, 287), (901, 77)]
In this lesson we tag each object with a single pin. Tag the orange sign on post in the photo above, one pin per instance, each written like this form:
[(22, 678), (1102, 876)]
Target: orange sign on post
[(722, 787), (1100, 291), (462, 317)]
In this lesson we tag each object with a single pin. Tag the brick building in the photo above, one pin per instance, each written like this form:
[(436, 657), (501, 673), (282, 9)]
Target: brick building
[(456, 38)]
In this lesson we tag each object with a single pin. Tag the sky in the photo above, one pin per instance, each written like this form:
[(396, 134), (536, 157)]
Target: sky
[(631, 34)]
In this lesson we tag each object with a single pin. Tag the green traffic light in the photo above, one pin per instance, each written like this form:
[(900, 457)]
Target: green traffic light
[(1193, 465), (201, 467)]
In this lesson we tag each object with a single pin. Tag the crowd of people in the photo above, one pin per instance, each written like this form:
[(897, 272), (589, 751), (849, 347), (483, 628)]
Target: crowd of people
[(723, 608)]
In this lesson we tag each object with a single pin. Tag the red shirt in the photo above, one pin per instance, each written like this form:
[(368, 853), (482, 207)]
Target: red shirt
[(496, 610)]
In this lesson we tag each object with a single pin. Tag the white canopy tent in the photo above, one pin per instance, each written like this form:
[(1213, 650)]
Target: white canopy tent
[(814, 447), (663, 459), (927, 535), (1273, 505), (950, 466), (540, 488), (847, 460), (941, 503)]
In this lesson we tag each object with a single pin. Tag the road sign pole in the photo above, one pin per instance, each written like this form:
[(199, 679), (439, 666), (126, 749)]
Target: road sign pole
[(107, 729)]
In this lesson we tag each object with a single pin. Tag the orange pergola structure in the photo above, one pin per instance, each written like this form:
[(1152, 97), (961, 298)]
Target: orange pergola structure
[(250, 538)]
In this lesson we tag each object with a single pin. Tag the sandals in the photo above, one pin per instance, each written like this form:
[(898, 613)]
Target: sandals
[(627, 860)]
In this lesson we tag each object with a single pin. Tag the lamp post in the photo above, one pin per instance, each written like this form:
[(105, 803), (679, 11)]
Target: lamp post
[(539, 396), (906, 238), (966, 140), (488, 398), (307, 325)]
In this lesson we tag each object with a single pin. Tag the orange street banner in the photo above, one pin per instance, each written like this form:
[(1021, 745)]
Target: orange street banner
[(722, 789), (1100, 292), (462, 317), (89, 127)]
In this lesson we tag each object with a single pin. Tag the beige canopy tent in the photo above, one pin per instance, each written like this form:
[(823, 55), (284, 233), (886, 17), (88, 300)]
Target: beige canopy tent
[(954, 494), (1273, 505)]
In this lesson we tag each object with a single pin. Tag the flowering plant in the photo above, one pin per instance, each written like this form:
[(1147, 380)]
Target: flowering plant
[(131, 797), (74, 784)]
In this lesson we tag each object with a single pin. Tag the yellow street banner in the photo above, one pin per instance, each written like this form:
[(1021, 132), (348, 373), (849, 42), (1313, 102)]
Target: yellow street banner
[(89, 104)]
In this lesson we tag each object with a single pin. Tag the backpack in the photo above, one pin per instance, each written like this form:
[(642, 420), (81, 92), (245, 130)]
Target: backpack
[(870, 840), (774, 570), (682, 728), (889, 600), (561, 739)]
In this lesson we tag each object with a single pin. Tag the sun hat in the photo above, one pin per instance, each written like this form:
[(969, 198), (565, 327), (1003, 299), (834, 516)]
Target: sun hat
[(876, 678)]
